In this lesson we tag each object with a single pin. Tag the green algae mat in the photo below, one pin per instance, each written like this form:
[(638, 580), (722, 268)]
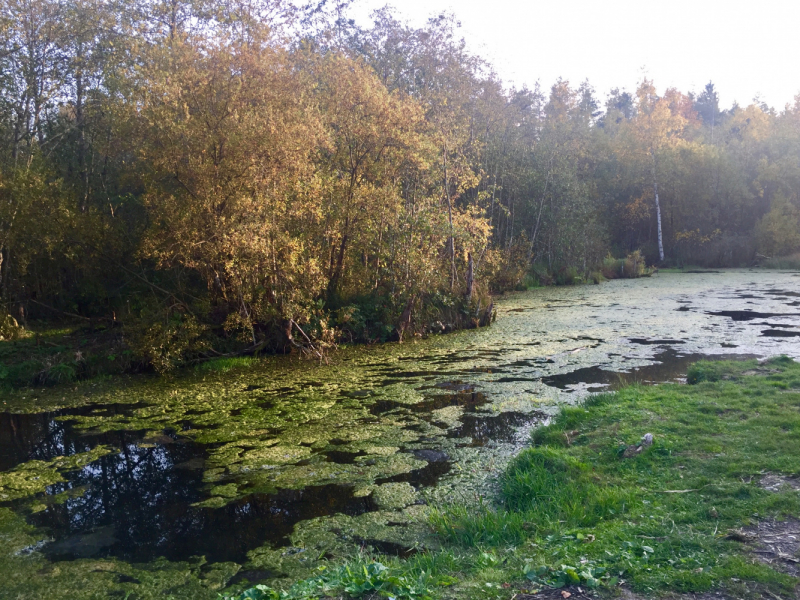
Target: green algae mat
[(233, 475), (707, 505)]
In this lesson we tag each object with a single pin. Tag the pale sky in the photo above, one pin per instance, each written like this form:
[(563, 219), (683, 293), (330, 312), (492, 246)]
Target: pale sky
[(745, 48)]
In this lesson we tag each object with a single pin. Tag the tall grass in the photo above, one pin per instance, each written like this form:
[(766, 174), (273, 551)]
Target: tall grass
[(223, 365), (791, 262), (480, 526), (544, 490)]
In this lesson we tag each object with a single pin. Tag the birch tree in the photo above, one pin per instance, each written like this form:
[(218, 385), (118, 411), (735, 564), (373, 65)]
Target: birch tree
[(655, 128)]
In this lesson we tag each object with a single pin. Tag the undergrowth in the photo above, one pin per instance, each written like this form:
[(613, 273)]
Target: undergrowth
[(411, 580), (789, 263)]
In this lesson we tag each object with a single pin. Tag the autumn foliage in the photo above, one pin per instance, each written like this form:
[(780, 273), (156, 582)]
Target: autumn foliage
[(239, 177)]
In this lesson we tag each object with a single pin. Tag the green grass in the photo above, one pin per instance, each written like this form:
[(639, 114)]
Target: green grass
[(415, 579), (576, 511), (52, 355), (572, 499), (223, 365)]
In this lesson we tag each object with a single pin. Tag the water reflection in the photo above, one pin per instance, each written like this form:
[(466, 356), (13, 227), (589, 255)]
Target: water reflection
[(44, 436), (137, 505), (671, 366)]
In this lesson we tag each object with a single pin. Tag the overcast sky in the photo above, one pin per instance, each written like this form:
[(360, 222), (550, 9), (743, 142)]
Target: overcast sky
[(745, 48)]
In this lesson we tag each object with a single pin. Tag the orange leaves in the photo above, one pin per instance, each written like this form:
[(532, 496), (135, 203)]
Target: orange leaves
[(637, 211)]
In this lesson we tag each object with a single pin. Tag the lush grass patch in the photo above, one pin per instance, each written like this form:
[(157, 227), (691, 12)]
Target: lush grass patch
[(223, 365), (415, 579), (659, 518), (582, 506)]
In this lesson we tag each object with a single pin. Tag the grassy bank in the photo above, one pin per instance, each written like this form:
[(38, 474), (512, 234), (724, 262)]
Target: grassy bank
[(789, 263), (47, 354), (708, 506)]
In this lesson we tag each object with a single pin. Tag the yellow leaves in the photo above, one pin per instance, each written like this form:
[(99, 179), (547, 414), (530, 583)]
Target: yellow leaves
[(637, 211), (659, 122), (695, 237), (752, 123), (778, 233), (472, 228)]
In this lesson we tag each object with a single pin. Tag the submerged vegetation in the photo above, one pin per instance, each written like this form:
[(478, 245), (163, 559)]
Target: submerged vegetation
[(210, 181)]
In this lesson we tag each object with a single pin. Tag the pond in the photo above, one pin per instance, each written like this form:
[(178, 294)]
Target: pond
[(143, 486)]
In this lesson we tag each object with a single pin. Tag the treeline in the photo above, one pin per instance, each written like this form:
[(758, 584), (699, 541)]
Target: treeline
[(213, 178)]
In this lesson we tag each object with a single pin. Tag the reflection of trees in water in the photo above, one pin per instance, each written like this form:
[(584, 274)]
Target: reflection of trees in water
[(145, 494), (141, 497), (139, 491), (33, 437), (41, 436)]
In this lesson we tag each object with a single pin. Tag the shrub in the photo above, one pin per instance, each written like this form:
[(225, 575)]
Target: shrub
[(168, 341), (778, 233), (791, 262), (567, 276), (630, 267)]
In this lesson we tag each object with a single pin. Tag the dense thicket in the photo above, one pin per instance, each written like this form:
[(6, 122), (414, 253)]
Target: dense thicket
[(222, 177)]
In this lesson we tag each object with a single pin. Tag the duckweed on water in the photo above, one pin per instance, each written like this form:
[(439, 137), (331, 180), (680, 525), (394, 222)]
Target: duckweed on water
[(370, 433)]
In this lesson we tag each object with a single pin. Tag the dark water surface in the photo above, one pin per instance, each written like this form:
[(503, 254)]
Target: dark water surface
[(266, 461)]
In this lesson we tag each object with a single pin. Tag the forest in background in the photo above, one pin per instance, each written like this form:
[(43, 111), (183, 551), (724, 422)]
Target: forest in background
[(210, 179)]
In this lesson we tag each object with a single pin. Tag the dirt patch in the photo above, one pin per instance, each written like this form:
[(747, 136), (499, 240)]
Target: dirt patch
[(710, 595), (572, 593), (773, 482), (777, 544)]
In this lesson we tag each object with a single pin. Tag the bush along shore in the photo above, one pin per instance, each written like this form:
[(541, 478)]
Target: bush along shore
[(51, 353), (677, 491)]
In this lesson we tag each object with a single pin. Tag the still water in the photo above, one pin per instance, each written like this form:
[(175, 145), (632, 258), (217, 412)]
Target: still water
[(184, 486)]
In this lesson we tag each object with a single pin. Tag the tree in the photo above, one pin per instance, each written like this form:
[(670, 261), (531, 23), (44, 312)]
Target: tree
[(230, 133), (654, 129)]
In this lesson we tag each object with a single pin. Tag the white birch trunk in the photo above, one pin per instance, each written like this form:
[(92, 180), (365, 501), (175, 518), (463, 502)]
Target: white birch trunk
[(658, 219), (658, 210)]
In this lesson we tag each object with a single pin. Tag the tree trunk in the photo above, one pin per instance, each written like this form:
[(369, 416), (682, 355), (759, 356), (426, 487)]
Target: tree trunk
[(658, 214), (405, 319), (79, 122), (450, 241), (470, 277), (333, 284)]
